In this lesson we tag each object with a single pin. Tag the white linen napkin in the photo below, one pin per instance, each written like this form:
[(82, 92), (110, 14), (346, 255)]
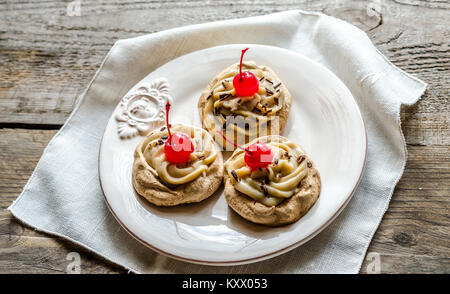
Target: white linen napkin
[(63, 195)]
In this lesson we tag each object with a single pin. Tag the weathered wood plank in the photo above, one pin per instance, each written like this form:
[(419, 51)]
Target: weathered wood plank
[(416, 224), (21, 150), (394, 263), (23, 250), (49, 57), (413, 235)]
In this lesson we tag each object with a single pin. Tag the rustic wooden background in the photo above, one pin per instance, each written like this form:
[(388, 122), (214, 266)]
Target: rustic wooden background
[(48, 57)]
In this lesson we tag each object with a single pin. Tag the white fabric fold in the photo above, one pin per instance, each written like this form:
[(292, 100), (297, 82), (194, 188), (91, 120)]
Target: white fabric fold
[(63, 195)]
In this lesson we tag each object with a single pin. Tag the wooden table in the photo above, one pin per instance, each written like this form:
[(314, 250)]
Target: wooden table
[(48, 57)]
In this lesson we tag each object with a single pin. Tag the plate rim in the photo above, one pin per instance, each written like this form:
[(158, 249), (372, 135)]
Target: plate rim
[(267, 255)]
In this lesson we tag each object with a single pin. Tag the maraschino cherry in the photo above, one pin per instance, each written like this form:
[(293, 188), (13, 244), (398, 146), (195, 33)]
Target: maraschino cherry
[(245, 83), (257, 155), (178, 147)]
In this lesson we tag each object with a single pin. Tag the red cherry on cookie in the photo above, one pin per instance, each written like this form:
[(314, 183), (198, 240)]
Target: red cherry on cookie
[(178, 147), (258, 155), (245, 83)]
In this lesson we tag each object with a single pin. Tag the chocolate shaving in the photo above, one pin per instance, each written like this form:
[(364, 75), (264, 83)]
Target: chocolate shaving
[(201, 157), (269, 92), (160, 142), (225, 96), (277, 85), (261, 79), (162, 129), (269, 81), (309, 164), (275, 161), (300, 159), (269, 111), (287, 155), (165, 137), (235, 176), (263, 187)]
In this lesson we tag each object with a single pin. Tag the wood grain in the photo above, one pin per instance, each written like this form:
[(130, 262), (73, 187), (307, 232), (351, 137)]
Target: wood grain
[(416, 225), (48, 58), (22, 249)]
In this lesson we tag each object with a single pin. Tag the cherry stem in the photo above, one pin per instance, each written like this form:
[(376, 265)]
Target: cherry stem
[(240, 64), (167, 119), (235, 145)]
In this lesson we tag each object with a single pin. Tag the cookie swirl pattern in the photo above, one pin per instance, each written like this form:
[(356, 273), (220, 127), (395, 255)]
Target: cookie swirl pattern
[(263, 112), (152, 149), (280, 180)]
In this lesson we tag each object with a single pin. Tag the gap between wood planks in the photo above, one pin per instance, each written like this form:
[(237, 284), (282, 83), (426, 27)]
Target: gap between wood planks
[(27, 126)]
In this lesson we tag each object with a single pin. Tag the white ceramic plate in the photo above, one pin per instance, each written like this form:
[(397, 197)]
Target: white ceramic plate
[(324, 119)]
